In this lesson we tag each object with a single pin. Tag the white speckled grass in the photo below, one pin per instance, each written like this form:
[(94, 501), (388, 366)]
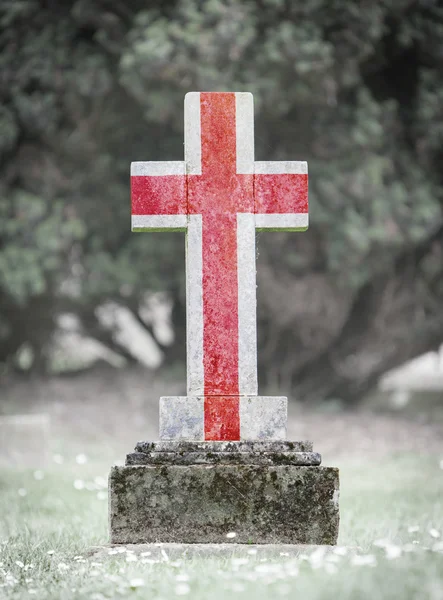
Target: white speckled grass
[(392, 510)]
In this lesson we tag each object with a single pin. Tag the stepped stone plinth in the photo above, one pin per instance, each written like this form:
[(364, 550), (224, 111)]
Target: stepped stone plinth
[(199, 492)]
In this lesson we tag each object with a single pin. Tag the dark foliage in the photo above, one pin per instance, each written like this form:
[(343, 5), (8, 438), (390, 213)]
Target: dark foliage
[(355, 88)]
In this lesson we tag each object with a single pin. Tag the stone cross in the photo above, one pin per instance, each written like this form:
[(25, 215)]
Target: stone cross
[(220, 196)]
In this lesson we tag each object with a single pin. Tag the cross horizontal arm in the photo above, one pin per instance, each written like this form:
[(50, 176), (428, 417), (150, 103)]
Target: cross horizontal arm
[(281, 195), (158, 195)]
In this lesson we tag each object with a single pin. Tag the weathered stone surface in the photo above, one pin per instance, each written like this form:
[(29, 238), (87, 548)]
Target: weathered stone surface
[(251, 446), (182, 417), (263, 417), (248, 453), (189, 504), (260, 417), (227, 458)]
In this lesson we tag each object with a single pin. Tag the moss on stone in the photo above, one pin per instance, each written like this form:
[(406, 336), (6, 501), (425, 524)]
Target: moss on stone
[(201, 504)]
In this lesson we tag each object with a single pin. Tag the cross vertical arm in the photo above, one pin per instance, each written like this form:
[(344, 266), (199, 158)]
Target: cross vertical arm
[(219, 158), (220, 256)]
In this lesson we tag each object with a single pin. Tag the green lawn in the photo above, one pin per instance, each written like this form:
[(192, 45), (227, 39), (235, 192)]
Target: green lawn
[(392, 510)]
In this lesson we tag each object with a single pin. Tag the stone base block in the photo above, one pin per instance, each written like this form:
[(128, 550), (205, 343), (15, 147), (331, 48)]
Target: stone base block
[(204, 503)]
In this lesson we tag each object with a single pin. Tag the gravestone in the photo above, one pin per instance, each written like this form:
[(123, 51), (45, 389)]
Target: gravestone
[(223, 469)]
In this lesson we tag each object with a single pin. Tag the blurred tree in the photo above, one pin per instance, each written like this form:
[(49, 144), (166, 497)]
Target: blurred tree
[(354, 88)]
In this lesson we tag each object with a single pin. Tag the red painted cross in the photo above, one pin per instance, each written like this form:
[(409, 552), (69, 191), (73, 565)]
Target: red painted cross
[(220, 196)]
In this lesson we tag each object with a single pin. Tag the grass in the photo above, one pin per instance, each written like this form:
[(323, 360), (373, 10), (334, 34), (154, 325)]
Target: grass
[(391, 504), (50, 520)]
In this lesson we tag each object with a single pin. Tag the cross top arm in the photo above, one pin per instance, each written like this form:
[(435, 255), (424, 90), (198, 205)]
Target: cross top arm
[(219, 149)]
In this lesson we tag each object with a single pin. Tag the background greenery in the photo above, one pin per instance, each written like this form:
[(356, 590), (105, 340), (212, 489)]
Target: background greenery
[(355, 88)]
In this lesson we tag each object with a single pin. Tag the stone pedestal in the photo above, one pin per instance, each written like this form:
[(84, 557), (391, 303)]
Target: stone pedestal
[(266, 490), (198, 492)]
